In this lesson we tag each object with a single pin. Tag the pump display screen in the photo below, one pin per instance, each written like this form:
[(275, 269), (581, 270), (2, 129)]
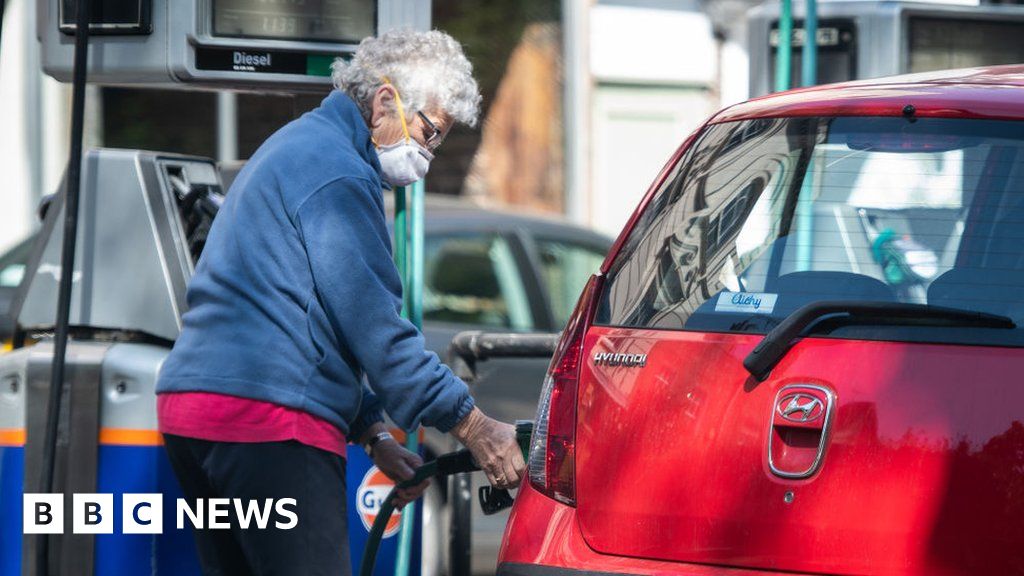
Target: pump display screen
[(339, 21), (939, 44), (109, 16)]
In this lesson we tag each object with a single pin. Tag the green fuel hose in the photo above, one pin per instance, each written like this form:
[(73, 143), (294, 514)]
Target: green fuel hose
[(451, 463)]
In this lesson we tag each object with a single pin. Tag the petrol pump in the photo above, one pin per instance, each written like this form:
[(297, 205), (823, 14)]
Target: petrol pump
[(142, 220), (859, 39)]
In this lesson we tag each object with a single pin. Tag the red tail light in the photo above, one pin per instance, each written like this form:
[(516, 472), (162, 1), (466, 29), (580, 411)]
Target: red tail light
[(552, 463)]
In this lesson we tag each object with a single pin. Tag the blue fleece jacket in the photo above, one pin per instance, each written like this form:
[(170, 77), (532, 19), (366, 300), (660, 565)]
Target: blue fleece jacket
[(296, 295)]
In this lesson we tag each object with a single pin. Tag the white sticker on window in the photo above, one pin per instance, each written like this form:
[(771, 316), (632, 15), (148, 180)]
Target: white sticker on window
[(749, 302)]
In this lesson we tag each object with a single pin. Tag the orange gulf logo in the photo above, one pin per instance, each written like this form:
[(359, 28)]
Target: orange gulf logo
[(371, 494)]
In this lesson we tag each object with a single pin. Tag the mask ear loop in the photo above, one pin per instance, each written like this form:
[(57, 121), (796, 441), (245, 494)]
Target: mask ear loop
[(401, 110)]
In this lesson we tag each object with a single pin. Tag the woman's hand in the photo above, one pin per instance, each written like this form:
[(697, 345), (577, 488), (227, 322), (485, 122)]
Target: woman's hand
[(494, 448), (399, 465)]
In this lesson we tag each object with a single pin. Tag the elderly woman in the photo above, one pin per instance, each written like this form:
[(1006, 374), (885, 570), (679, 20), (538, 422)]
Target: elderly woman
[(296, 299)]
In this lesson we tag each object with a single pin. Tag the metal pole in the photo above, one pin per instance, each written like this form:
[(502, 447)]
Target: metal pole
[(401, 244), (575, 106), (809, 60), (805, 219), (805, 203), (414, 308), (784, 52), (67, 266), (227, 126), (401, 262), (416, 254)]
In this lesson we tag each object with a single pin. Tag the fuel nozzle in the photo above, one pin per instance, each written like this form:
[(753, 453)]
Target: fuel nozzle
[(494, 500), (461, 461)]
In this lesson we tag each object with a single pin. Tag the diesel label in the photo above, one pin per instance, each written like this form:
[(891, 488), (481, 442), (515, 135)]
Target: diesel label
[(249, 62)]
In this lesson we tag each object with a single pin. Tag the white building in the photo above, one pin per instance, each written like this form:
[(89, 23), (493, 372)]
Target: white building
[(641, 76)]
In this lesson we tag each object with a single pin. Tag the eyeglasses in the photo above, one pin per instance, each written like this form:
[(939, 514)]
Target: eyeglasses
[(436, 137)]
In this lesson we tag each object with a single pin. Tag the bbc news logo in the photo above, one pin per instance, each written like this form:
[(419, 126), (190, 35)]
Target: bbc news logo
[(144, 513)]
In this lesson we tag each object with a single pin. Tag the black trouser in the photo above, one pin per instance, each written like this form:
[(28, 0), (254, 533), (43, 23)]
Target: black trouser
[(317, 545)]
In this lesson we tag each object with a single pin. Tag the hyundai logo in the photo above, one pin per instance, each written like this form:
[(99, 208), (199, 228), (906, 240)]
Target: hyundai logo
[(613, 359), (800, 407), (804, 407)]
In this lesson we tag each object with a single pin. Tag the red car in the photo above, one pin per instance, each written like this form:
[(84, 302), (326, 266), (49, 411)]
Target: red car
[(805, 353)]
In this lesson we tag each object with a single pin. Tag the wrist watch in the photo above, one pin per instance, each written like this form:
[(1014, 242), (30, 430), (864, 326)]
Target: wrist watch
[(373, 441)]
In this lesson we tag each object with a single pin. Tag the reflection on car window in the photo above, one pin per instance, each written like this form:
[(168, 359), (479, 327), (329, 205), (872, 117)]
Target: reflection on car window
[(474, 280), (755, 223), (565, 269), (10, 276)]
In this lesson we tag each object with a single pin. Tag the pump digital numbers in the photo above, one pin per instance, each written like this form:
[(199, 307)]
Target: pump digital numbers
[(342, 21)]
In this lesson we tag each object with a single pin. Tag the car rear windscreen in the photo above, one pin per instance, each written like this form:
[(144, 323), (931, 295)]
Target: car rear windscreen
[(761, 217)]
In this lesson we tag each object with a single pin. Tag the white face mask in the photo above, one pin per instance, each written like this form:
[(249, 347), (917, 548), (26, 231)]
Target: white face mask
[(404, 162)]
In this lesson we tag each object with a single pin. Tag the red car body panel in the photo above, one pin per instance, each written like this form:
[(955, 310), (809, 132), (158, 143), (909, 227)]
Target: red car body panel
[(923, 468), (915, 429), (543, 532)]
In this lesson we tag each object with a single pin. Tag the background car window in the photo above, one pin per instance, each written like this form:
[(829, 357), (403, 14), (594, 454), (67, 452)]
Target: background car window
[(12, 264), (770, 215), (474, 280), (565, 269)]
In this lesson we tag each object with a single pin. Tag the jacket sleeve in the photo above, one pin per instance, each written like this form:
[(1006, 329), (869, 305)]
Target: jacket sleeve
[(345, 233), (369, 414)]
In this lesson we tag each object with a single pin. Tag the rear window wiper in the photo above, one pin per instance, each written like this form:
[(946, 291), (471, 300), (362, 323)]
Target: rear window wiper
[(777, 343)]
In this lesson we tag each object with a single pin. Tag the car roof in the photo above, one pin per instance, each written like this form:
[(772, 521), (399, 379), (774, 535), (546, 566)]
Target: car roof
[(451, 214), (993, 92)]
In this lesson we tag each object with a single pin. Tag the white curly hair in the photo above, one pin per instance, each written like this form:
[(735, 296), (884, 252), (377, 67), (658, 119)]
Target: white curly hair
[(428, 69)]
